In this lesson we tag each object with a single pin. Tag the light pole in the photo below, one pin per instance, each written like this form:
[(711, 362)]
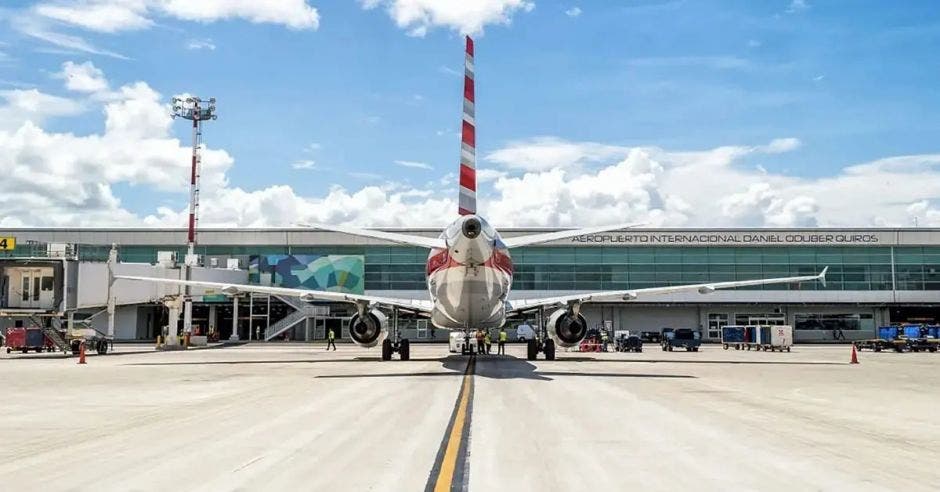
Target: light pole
[(196, 110)]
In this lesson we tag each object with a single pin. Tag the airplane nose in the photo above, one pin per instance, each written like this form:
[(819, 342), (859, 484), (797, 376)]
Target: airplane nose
[(472, 228)]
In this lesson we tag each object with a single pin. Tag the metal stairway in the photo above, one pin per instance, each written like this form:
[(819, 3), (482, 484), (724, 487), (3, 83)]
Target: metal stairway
[(302, 311), (52, 332)]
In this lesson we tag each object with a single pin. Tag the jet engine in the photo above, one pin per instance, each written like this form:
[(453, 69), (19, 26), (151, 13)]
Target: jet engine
[(566, 328), (369, 330)]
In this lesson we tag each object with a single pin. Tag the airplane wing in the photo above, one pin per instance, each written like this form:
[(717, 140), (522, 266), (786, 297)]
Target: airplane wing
[(407, 239), (522, 304), (515, 242), (304, 294)]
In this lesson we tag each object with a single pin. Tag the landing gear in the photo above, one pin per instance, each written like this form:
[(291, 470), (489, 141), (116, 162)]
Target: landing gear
[(533, 347), (386, 350), (549, 349), (403, 347), (396, 344)]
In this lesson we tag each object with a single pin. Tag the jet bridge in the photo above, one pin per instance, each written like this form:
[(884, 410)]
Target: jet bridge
[(55, 291)]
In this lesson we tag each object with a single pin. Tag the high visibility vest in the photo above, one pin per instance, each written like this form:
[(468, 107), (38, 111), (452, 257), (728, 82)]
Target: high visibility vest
[(331, 335), (487, 338), (502, 336)]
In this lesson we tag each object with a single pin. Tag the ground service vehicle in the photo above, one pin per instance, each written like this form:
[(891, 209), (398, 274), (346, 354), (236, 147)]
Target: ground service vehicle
[(457, 341), (629, 343), (651, 336), (27, 340), (525, 332), (686, 338), (889, 338)]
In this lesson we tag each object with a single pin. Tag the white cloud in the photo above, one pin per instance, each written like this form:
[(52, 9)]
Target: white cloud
[(200, 44), (30, 105), (485, 175), (753, 43), (39, 28), (922, 214), (83, 77), (366, 175), (295, 14), (797, 6), (64, 179), (305, 164), (543, 153), (573, 11), (779, 146), (465, 17), (126, 15), (415, 165), (102, 16)]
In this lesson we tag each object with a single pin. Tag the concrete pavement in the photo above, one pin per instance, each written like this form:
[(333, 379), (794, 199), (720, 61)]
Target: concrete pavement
[(292, 416)]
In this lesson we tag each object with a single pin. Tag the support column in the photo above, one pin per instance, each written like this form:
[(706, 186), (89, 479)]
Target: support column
[(112, 261), (212, 318), (234, 336), (172, 332)]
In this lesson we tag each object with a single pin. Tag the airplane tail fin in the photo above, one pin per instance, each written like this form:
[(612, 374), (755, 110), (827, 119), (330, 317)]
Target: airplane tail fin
[(467, 201)]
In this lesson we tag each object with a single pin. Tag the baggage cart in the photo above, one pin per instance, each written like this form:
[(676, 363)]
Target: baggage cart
[(732, 336)]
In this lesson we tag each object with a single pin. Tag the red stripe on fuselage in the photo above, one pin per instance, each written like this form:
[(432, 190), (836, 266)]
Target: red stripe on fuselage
[(468, 177), (440, 259)]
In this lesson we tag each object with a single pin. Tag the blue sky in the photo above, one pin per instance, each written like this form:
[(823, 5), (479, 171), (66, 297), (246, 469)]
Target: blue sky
[(852, 81)]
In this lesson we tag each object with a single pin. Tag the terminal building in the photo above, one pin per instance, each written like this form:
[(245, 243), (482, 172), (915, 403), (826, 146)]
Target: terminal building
[(876, 277)]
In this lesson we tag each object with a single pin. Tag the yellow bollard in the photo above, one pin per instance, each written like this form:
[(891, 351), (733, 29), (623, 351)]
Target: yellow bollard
[(159, 341)]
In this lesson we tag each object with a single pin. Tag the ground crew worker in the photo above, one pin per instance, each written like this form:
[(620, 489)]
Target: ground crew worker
[(501, 348), (488, 341), (604, 340), (331, 339), (480, 347), (258, 332)]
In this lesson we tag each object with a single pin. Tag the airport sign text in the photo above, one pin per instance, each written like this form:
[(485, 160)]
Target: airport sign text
[(720, 238)]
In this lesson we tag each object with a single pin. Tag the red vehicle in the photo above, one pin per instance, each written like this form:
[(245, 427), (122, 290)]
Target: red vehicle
[(26, 339)]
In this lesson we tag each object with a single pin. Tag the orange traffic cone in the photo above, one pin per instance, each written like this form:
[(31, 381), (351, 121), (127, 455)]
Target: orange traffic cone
[(81, 353), (854, 355)]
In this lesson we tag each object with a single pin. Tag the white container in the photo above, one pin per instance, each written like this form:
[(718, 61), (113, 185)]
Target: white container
[(780, 336)]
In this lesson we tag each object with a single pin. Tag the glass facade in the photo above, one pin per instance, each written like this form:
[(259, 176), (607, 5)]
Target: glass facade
[(865, 268)]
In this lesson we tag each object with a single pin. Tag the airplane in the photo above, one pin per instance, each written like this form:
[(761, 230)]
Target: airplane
[(469, 272)]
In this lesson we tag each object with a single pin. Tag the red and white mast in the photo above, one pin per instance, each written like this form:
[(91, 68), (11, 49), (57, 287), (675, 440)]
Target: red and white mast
[(196, 110)]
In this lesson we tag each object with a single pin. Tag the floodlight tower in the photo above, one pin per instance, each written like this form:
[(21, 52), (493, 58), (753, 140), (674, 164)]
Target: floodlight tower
[(196, 110)]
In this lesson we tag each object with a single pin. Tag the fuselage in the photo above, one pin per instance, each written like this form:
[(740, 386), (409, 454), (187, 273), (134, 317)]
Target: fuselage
[(470, 280)]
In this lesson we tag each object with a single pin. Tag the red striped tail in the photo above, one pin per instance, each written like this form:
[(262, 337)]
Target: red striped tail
[(467, 201)]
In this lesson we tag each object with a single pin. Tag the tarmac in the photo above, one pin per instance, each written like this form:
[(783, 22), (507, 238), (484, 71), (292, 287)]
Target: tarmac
[(294, 417)]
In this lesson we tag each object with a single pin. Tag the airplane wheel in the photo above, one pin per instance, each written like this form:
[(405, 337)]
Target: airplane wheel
[(405, 349), (532, 350), (549, 349), (387, 350)]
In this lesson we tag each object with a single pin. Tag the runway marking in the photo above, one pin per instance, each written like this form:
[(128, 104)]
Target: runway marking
[(451, 468)]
